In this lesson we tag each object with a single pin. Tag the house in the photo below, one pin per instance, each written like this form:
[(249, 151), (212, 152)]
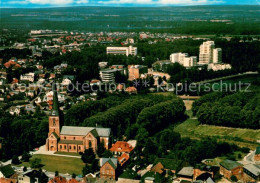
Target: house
[(257, 154), (229, 168), (121, 147), (166, 165), (32, 176), (58, 179), (131, 90), (251, 173), (137, 71), (203, 172), (30, 108), (6, 171), (15, 110), (123, 159), (27, 77), (6, 180), (66, 82), (186, 173), (108, 168)]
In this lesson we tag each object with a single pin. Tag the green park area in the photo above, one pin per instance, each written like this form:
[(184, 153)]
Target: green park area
[(242, 137), (62, 164)]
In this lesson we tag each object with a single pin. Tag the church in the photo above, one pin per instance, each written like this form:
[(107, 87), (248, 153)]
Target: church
[(71, 138)]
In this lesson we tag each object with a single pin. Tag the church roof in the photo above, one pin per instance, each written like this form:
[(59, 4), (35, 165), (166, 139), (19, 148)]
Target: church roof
[(82, 131)]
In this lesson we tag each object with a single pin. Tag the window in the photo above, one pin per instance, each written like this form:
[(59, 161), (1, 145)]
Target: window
[(73, 138), (74, 147), (70, 147), (53, 122), (60, 146), (89, 144), (65, 138), (65, 147), (79, 147)]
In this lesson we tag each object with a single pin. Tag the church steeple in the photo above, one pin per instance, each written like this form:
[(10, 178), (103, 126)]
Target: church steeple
[(54, 118), (55, 105)]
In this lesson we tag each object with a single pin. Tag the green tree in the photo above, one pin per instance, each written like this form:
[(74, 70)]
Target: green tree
[(36, 163)]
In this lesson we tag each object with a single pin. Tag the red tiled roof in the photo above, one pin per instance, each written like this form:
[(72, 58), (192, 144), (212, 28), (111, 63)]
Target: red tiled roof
[(121, 146), (9, 63), (123, 159), (94, 81), (58, 179), (131, 89), (4, 180), (73, 181)]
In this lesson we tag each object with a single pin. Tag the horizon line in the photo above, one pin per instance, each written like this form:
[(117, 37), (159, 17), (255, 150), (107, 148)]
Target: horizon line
[(137, 6)]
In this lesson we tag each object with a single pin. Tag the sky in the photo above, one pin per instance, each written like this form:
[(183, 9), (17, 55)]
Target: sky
[(120, 3)]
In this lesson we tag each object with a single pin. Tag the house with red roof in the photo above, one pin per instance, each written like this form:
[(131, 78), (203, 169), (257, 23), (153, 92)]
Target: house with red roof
[(121, 147)]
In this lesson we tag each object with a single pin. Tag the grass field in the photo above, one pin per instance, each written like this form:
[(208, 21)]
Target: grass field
[(67, 153), (242, 137), (59, 163)]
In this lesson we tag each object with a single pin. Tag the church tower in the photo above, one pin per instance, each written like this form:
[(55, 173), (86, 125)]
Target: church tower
[(54, 118), (54, 123)]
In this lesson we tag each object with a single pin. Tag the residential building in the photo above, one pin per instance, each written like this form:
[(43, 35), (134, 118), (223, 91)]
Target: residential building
[(137, 71), (109, 75), (32, 176), (178, 57), (71, 138), (217, 56), (121, 147), (186, 173), (190, 61), (58, 179), (251, 173), (7, 180), (183, 59), (6, 171), (108, 168), (209, 54), (229, 168), (257, 154), (206, 52), (122, 50), (203, 172), (27, 77), (217, 67)]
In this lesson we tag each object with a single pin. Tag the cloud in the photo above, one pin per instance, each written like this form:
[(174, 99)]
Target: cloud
[(162, 2), (127, 2), (49, 2)]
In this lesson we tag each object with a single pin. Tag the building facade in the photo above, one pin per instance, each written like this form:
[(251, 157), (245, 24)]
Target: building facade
[(71, 138), (183, 59), (122, 50), (108, 168), (137, 71), (209, 54), (229, 168)]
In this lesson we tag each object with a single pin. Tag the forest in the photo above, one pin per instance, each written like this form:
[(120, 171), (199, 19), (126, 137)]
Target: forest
[(239, 110)]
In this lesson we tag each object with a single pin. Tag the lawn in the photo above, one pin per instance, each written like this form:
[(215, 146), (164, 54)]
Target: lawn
[(67, 153), (58, 163), (242, 137)]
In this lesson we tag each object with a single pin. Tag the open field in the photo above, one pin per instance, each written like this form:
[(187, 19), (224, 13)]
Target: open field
[(59, 163), (242, 137)]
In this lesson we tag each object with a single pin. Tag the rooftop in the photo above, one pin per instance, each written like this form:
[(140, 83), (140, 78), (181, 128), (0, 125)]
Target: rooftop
[(229, 164), (82, 131)]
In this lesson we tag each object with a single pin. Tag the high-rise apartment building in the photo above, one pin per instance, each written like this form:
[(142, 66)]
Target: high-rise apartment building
[(209, 54)]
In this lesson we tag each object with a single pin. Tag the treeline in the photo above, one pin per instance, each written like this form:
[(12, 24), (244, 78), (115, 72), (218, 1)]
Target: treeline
[(241, 109), (86, 109), (22, 134), (123, 119)]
